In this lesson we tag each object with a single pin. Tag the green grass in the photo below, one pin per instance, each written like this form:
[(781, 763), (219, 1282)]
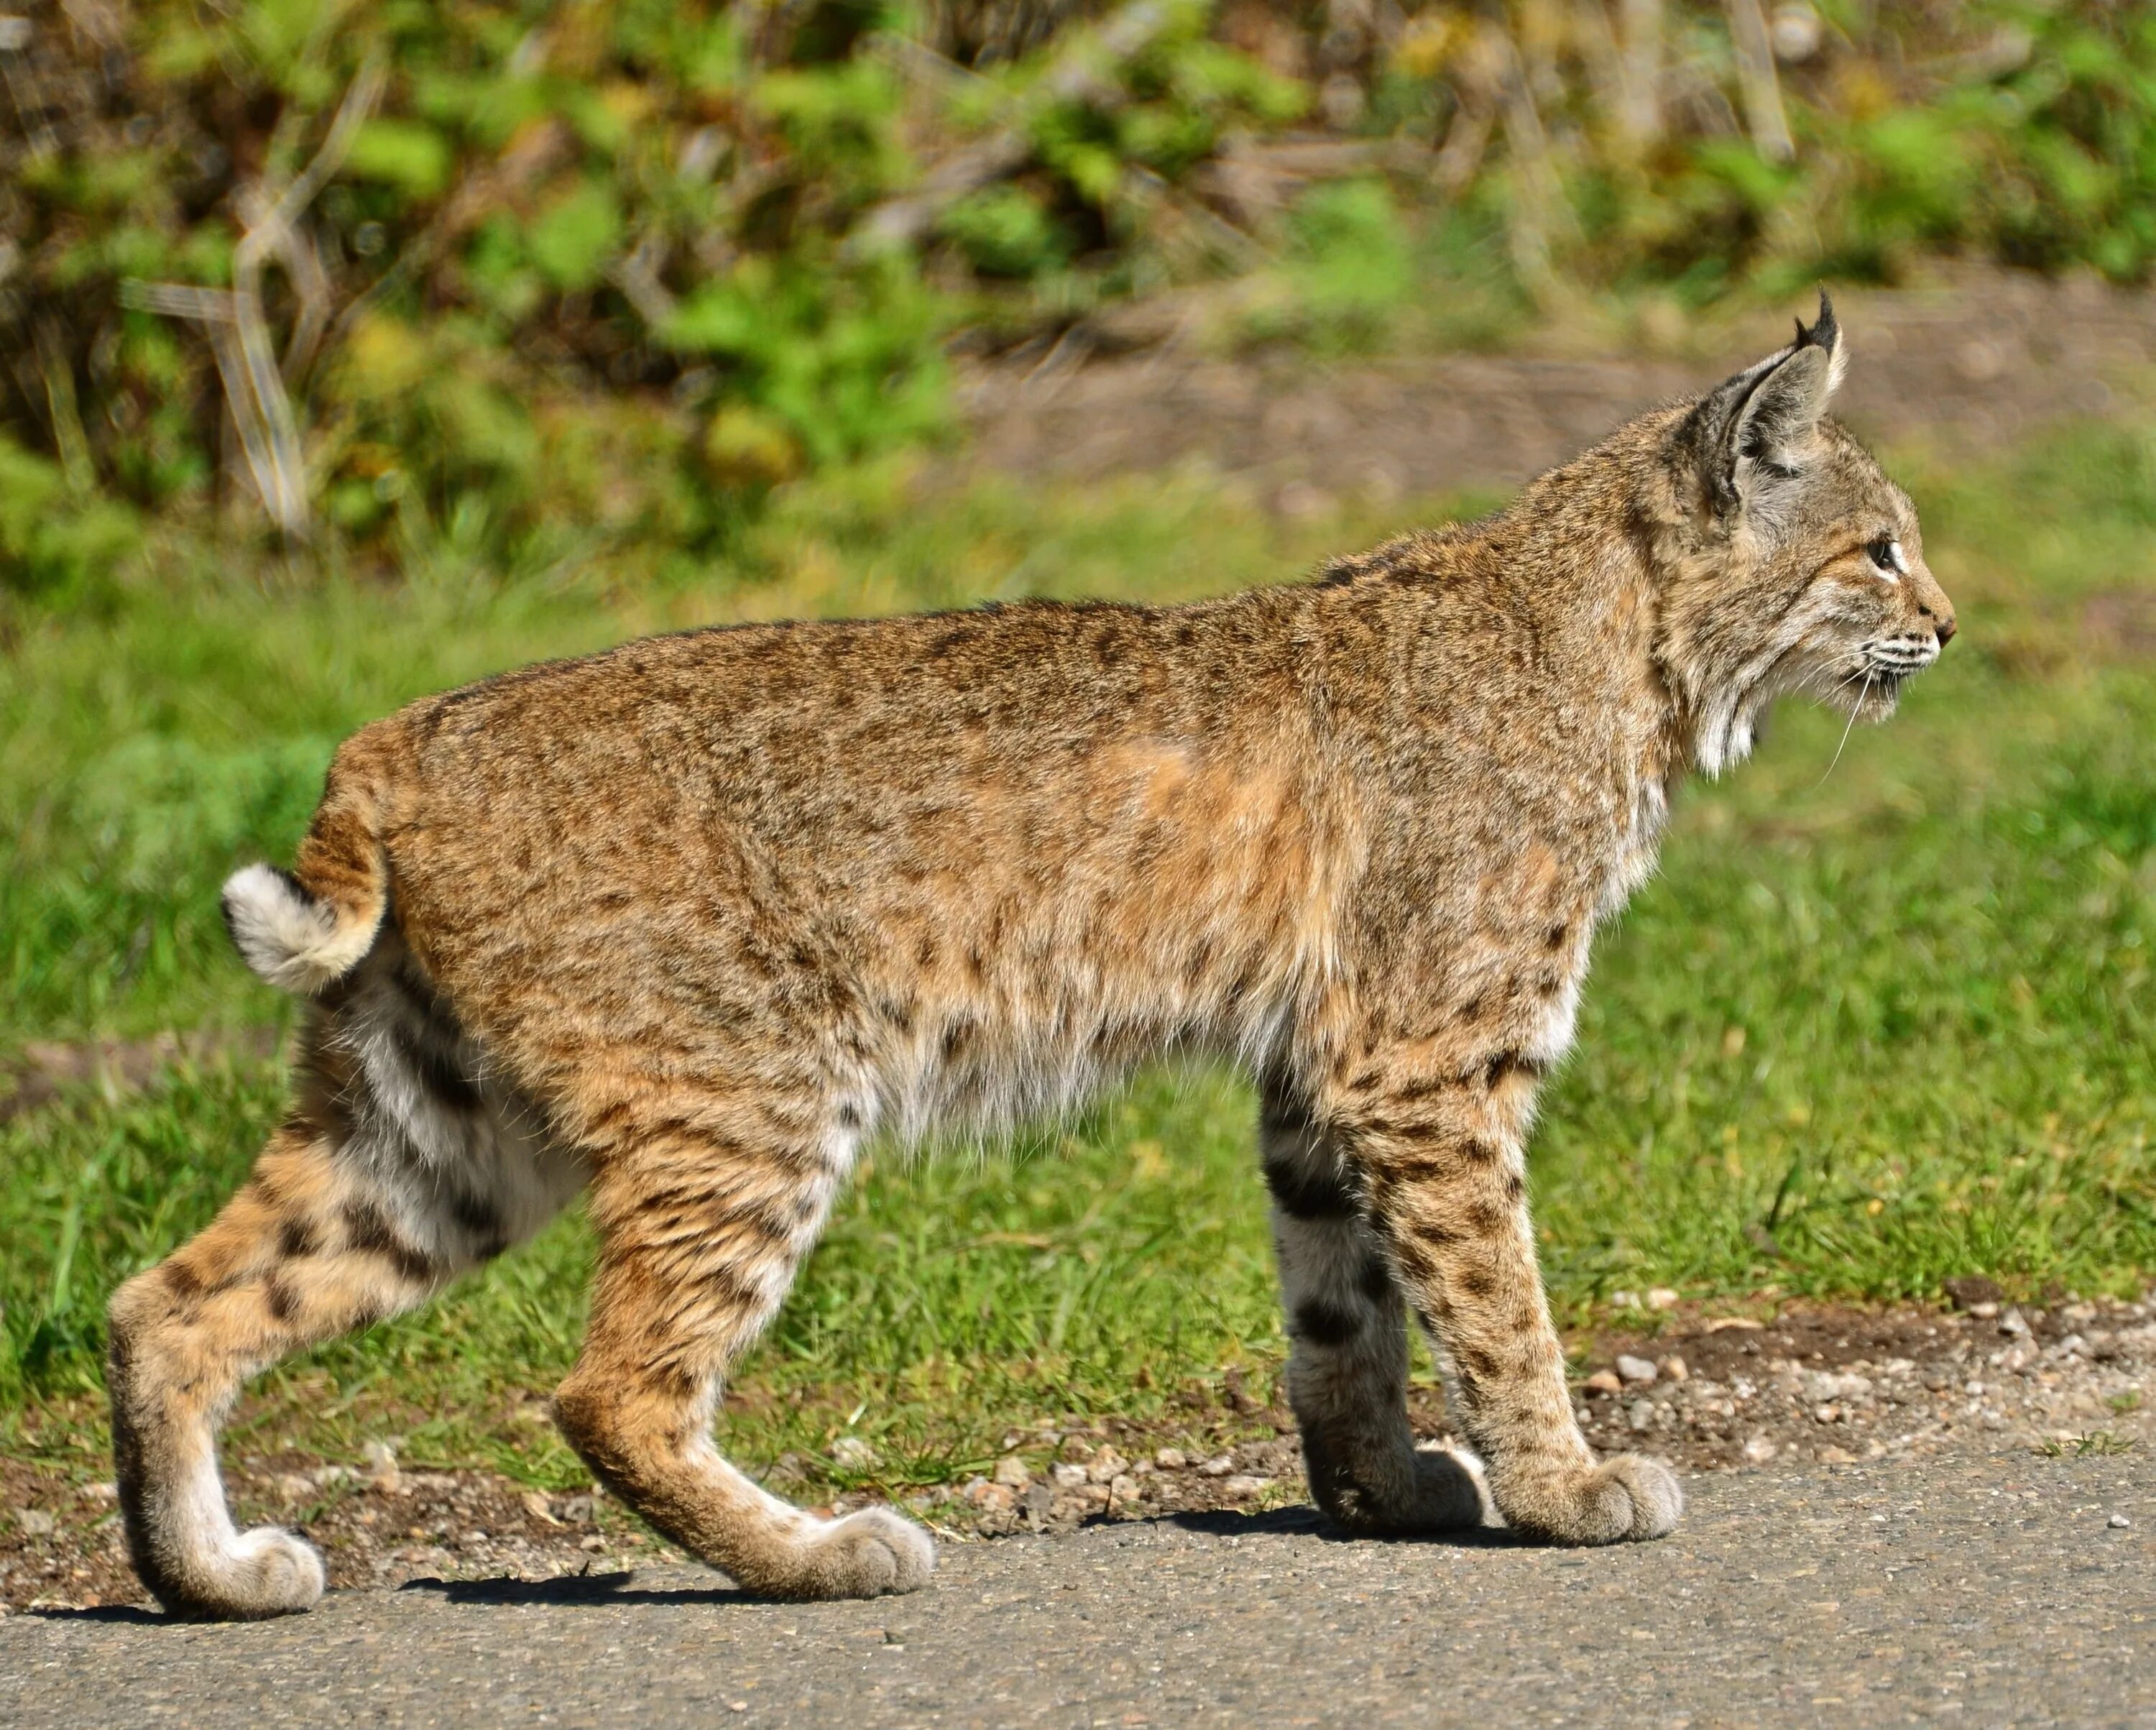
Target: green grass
[(1862, 1033)]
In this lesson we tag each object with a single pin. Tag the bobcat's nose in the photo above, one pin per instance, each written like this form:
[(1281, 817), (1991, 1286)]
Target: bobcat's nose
[(1945, 628)]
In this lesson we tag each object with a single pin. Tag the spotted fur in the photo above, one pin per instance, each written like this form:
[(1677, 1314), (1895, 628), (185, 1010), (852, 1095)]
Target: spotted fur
[(685, 924)]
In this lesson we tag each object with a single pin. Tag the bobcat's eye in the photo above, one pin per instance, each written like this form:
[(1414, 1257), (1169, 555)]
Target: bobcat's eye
[(1887, 554)]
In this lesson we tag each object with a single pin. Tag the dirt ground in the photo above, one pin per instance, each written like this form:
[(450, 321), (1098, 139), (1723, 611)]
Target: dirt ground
[(1975, 360), (1728, 1394)]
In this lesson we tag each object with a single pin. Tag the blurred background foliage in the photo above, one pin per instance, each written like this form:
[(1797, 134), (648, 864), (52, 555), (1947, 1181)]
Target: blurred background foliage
[(521, 277)]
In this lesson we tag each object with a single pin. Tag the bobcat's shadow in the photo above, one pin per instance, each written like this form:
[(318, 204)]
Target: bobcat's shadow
[(576, 1588), (127, 1615), (1304, 1521)]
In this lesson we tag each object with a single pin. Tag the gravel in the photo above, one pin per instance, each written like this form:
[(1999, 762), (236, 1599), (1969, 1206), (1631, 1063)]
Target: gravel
[(1836, 1385)]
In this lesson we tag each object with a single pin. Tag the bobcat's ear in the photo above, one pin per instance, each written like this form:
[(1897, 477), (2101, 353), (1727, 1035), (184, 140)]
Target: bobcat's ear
[(1756, 429)]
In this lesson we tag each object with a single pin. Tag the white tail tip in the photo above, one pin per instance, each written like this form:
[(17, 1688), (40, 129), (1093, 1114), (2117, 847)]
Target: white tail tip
[(287, 938)]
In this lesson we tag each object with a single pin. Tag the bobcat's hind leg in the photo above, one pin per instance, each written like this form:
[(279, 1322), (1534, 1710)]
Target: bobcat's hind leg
[(700, 1234), (1347, 1363), (400, 1170), (305, 1250)]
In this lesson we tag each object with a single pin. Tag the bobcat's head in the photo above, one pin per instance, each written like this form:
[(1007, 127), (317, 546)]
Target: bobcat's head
[(1803, 568)]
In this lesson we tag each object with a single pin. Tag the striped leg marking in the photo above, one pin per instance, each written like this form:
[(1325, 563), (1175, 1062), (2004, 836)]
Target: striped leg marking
[(700, 1237), (1348, 1361), (1445, 1167)]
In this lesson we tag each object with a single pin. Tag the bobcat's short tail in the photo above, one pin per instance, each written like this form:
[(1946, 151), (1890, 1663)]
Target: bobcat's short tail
[(304, 929)]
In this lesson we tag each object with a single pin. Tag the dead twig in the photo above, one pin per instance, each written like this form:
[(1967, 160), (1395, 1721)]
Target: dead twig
[(58, 374), (1640, 68), (635, 272), (237, 330), (1085, 70), (1763, 113), (1538, 205)]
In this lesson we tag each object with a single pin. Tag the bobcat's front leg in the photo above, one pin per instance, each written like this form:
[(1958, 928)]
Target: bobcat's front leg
[(1443, 1163), (1347, 1357)]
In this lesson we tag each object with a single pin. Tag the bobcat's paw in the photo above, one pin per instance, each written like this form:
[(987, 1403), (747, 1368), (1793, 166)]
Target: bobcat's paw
[(1626, 1497), (267, 1572), (865, 1555), (1448, 1495)]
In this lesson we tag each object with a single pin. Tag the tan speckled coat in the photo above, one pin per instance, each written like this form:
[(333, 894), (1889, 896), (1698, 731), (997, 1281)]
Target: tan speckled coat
[(685, 923)]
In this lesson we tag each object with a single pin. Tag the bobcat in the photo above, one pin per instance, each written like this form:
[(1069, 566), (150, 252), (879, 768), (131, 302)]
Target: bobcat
[(682, 925)]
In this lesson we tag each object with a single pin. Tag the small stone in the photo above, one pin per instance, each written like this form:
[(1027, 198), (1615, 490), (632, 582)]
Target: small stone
[(1984, 1312), (1759, 1451), (103, 1494), (1107, 1465), (1013, 1473), (1661, 1297), (1641, 1414), (2118, 1523), (1604, 1381), (1218, 1466), (382, 1473), (536, 1504), (1068, 1474), (34, 1521), (1674, 1369), (1242, 1486), (1636, 1369), (1171, 1459), (1795, 33), (1836, 1457), (594, 1544), (1125, 1488), (991, 1498), (1971, 1289), (2014, 1325), (851, 1453)]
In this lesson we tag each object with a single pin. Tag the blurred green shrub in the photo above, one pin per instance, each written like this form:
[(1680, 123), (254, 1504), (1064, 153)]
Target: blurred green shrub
[(617, 268), (54, 542)]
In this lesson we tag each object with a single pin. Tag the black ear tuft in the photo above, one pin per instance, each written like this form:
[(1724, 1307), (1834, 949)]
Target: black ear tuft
[(1824, 332)]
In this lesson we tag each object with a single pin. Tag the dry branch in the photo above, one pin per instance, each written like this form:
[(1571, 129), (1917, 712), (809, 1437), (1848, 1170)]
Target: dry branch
[(1763, 91), (239, 332), (1640, 64), (1085, 70)]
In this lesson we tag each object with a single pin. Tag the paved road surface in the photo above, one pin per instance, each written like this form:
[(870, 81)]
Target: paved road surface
[(1986, 1592)]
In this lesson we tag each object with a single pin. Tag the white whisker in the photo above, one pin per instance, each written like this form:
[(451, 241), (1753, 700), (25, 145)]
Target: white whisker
[(1854, 712)]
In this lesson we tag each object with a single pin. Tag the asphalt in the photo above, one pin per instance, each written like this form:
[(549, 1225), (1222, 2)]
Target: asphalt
[(1975, 1591)]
